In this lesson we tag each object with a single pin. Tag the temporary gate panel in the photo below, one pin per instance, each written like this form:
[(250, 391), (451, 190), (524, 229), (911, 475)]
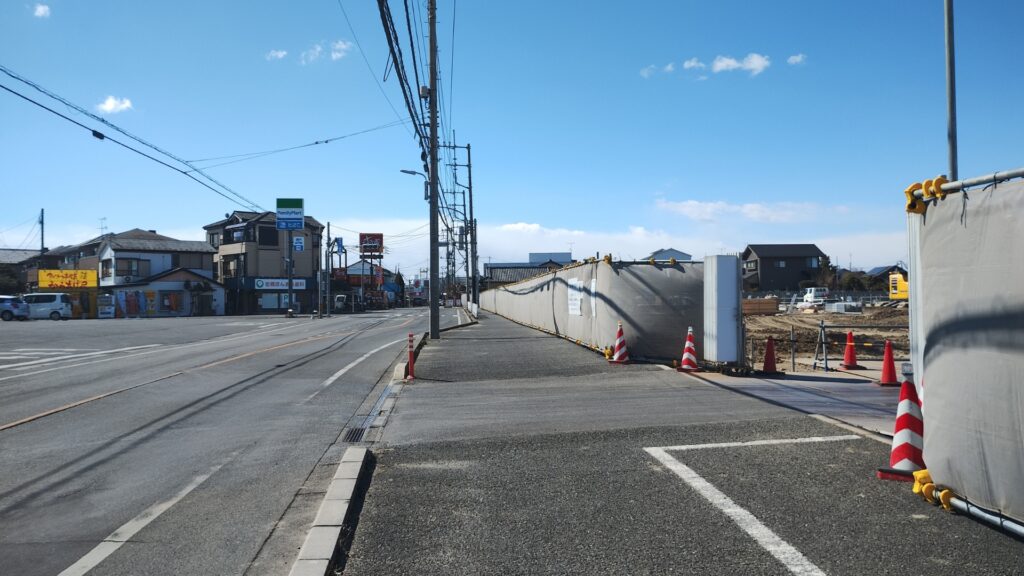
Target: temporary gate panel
[(967, 305), (722, 317)]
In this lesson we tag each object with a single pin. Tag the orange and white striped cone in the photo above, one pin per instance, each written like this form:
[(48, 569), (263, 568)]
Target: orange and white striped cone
[(907, 454), (621, 354), (689, 361)]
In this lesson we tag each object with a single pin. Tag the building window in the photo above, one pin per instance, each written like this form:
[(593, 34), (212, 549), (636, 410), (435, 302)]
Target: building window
[(812, 262), (268, 237), (780, 263), (193, 261), (750, 265), (214, 239), (106, 268), (170, 300), (133, 267)]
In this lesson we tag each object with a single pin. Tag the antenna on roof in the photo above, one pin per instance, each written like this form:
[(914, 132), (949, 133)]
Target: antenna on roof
[(103, 226)]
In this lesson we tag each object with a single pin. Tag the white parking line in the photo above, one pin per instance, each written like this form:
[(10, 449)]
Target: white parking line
[(790, 557), (118, 537)]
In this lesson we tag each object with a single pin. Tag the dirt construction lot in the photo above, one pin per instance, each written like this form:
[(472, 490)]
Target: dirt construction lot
[(805, 327)]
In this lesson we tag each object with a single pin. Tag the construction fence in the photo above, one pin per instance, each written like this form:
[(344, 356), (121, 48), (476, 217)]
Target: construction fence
[(656, 303), (967, 337)]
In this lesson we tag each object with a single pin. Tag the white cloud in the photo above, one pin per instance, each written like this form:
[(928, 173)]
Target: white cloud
[(311, 55), (276, 54), (41, 11), (753, 63), (776, 213), (670, 67), (796, 59), (647, 71), (702, 78), (693, 63), (113, 105), (724, 64), (340, 49)]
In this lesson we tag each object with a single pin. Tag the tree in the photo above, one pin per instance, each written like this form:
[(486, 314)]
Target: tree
[(852, 282)]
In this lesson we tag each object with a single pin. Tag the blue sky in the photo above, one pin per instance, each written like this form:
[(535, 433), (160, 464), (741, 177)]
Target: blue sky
[(600, 126)]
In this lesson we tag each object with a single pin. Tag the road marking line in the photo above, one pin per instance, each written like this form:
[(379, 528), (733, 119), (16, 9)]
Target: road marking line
[(790, 557), (146, 353), (334, 377), (118, 537), (72, 356), (764, 442), (28, 419)]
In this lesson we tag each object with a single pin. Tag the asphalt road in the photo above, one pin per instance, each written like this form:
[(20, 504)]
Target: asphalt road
[(174, 446), (520, 453)]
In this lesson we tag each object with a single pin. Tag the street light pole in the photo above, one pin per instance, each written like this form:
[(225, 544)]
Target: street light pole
[(435, 292), (951, 93)]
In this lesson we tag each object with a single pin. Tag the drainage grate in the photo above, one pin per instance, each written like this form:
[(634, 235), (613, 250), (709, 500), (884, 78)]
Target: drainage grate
[(354, 434)]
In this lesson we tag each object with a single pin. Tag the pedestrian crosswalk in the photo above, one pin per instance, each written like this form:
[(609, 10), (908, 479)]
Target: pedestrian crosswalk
[(39, 353), (28, 358)]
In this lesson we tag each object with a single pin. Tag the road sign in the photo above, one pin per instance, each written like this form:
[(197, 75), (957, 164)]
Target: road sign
[(290, 214), (298, 243)]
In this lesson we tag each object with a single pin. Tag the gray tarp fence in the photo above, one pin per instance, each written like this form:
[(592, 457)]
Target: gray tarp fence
[(655, 303), (967, 323)]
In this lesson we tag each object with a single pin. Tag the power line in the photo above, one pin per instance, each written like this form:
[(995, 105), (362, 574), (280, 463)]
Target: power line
[(254, 155), (451, 68), (368, 67), (106, 122), (101, 136)]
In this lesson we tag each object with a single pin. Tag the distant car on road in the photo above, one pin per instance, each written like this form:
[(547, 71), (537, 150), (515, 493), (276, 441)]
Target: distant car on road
[(53, 305), (12, 307), (816, 295)]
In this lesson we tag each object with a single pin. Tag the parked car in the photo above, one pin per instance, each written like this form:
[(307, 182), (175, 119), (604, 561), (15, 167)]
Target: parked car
[(12, 307), (53, 305)]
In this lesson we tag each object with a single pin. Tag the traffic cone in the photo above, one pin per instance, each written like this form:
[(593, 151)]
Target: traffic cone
[(850, 356), (769, 357), (621, 354), (888, 367), (907, 454), (689, 361)]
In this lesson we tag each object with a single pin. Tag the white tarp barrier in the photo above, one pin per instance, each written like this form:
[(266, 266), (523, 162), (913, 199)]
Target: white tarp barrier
[(655, 303), (967, 335)]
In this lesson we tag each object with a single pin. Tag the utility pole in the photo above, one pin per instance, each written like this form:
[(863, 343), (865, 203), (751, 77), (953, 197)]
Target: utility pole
[(472, 228), (291, 306), (330, 271), (472, 278), (951, 93), (42, 234), (435, 292)]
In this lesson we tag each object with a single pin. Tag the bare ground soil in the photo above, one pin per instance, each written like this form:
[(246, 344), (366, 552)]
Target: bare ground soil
[(805, 326)]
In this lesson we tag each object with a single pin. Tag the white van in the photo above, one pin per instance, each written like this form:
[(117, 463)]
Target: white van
[(52, 305)]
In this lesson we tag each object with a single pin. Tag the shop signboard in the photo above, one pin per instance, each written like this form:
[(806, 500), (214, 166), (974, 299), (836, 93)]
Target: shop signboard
[(279, 284), (67, 279)]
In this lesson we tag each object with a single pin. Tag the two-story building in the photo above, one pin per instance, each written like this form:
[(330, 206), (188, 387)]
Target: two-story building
[(139, 274), (780, 267), (251, 260)]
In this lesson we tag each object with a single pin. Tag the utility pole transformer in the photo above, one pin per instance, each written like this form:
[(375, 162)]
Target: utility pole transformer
[(435, 292)]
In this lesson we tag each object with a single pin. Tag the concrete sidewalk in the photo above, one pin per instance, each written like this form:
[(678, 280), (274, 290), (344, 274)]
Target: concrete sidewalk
[(516, 452)]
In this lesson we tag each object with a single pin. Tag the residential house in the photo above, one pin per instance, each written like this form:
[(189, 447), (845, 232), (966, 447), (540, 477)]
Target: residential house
[(12, 269), (666, 254), (780, 267), (251, 260), (149, 274), (499, 274), (139, 273)]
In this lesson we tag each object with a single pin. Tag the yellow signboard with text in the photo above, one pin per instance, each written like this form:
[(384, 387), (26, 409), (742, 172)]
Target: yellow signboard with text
[(67, 279)]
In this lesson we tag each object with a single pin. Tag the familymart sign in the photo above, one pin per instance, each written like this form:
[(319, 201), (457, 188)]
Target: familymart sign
[(290, 214)]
